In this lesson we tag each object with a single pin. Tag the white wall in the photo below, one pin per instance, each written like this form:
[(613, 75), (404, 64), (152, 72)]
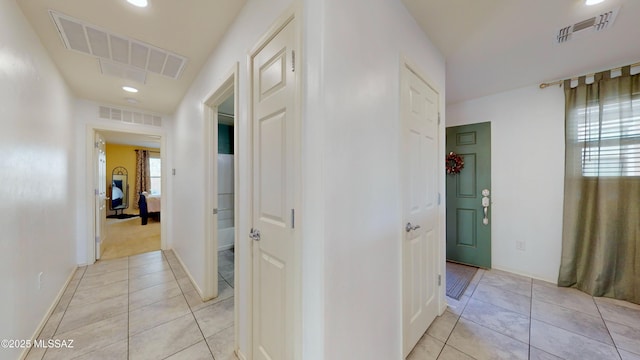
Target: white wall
[(37, 217), (189, 153), (527, 174), (353, 213), (351, 251)]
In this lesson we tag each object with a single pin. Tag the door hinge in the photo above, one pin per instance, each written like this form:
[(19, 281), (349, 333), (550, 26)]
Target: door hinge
[(438, 198), (97, 239), (96, 192), (438, 118), (293, 218), (439, 280), (215, 211), (293, 60), (96, 144)]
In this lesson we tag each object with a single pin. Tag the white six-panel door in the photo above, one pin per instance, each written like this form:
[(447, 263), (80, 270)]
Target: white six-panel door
[(274, 186), (421, 166)]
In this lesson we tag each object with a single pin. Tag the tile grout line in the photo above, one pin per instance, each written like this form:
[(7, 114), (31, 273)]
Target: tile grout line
[(581, 335), (494, 330), (460, 316), (181, 293), (67, 306), (507, 290), (503, 308), (174, 278), (556, 287), (190, 308), (615, 346), (63, 312)]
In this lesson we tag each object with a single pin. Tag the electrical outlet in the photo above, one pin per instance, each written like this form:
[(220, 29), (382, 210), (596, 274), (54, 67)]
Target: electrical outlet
[(40, 276), (520, 245)]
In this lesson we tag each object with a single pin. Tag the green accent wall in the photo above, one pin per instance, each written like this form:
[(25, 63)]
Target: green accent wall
[(225, 139)]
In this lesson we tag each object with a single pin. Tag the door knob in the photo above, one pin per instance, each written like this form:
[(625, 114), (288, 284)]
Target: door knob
[(410, 227), (254, 234), (485, 206)]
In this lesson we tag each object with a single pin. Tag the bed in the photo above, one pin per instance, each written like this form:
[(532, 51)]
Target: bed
[(149, 206), (153, 203)]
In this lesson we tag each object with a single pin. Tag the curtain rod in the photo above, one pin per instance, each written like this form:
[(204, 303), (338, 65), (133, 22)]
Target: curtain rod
[(559, 82)]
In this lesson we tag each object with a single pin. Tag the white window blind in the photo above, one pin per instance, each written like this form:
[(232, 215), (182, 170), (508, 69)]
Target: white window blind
[(155, 172), (610, 147)]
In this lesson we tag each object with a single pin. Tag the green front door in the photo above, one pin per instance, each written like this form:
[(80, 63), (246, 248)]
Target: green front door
[(468, 228)]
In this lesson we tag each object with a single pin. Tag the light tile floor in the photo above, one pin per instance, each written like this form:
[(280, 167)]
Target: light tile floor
[(145, 307), (506, 316), (142, 307)]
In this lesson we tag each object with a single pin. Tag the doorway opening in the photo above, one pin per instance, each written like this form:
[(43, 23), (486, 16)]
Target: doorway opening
[(226, 190), (134, 192), (116, 227), (221, 232), (468, 203)]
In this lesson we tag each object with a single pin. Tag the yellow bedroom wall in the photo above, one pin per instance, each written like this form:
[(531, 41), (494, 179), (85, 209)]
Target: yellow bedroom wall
[(125, 156)]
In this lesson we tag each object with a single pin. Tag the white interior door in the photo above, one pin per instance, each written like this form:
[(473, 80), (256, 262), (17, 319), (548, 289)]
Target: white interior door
[(419, 116), (274, 186), (100, 193)]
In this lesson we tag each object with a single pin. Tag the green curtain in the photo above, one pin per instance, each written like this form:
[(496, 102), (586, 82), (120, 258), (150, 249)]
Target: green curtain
[(601, 225)]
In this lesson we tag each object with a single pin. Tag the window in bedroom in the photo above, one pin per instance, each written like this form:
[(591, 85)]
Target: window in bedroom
[(155, 171)]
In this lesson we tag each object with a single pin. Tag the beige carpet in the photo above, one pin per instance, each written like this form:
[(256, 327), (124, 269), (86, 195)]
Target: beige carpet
[(126, 237)]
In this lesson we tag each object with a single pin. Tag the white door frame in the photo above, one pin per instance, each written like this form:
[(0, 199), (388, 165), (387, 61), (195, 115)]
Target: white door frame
[(211, 103), (90, 176), (210, 290), (292, 13)]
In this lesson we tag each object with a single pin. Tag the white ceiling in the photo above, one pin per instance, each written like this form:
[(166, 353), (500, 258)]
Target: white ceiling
[(191, 28), (497, 45), (489, 45)]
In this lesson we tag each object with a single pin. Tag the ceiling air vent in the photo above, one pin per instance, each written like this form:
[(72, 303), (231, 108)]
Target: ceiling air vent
[(596, 23), (128, 116), (117, 52)]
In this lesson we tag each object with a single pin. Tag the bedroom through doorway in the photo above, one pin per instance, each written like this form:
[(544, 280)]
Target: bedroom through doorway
[(133, 184)]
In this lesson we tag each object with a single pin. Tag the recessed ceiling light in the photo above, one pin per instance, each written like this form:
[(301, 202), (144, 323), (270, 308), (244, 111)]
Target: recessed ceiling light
[(132, 101), (592, 2), (138, 3), (130, 89)]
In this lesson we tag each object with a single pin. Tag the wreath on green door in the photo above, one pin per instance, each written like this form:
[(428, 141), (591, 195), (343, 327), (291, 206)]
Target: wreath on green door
[(454, 163)]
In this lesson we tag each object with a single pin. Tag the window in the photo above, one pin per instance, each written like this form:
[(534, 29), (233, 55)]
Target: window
[(610, 148), (155, 171)]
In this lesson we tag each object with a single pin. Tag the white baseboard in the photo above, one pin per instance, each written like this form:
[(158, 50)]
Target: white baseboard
[(240, 355), (53, 306), (186, 270)]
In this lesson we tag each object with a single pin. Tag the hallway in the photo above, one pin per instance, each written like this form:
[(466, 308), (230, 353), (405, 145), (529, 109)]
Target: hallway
[(141, 307)]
